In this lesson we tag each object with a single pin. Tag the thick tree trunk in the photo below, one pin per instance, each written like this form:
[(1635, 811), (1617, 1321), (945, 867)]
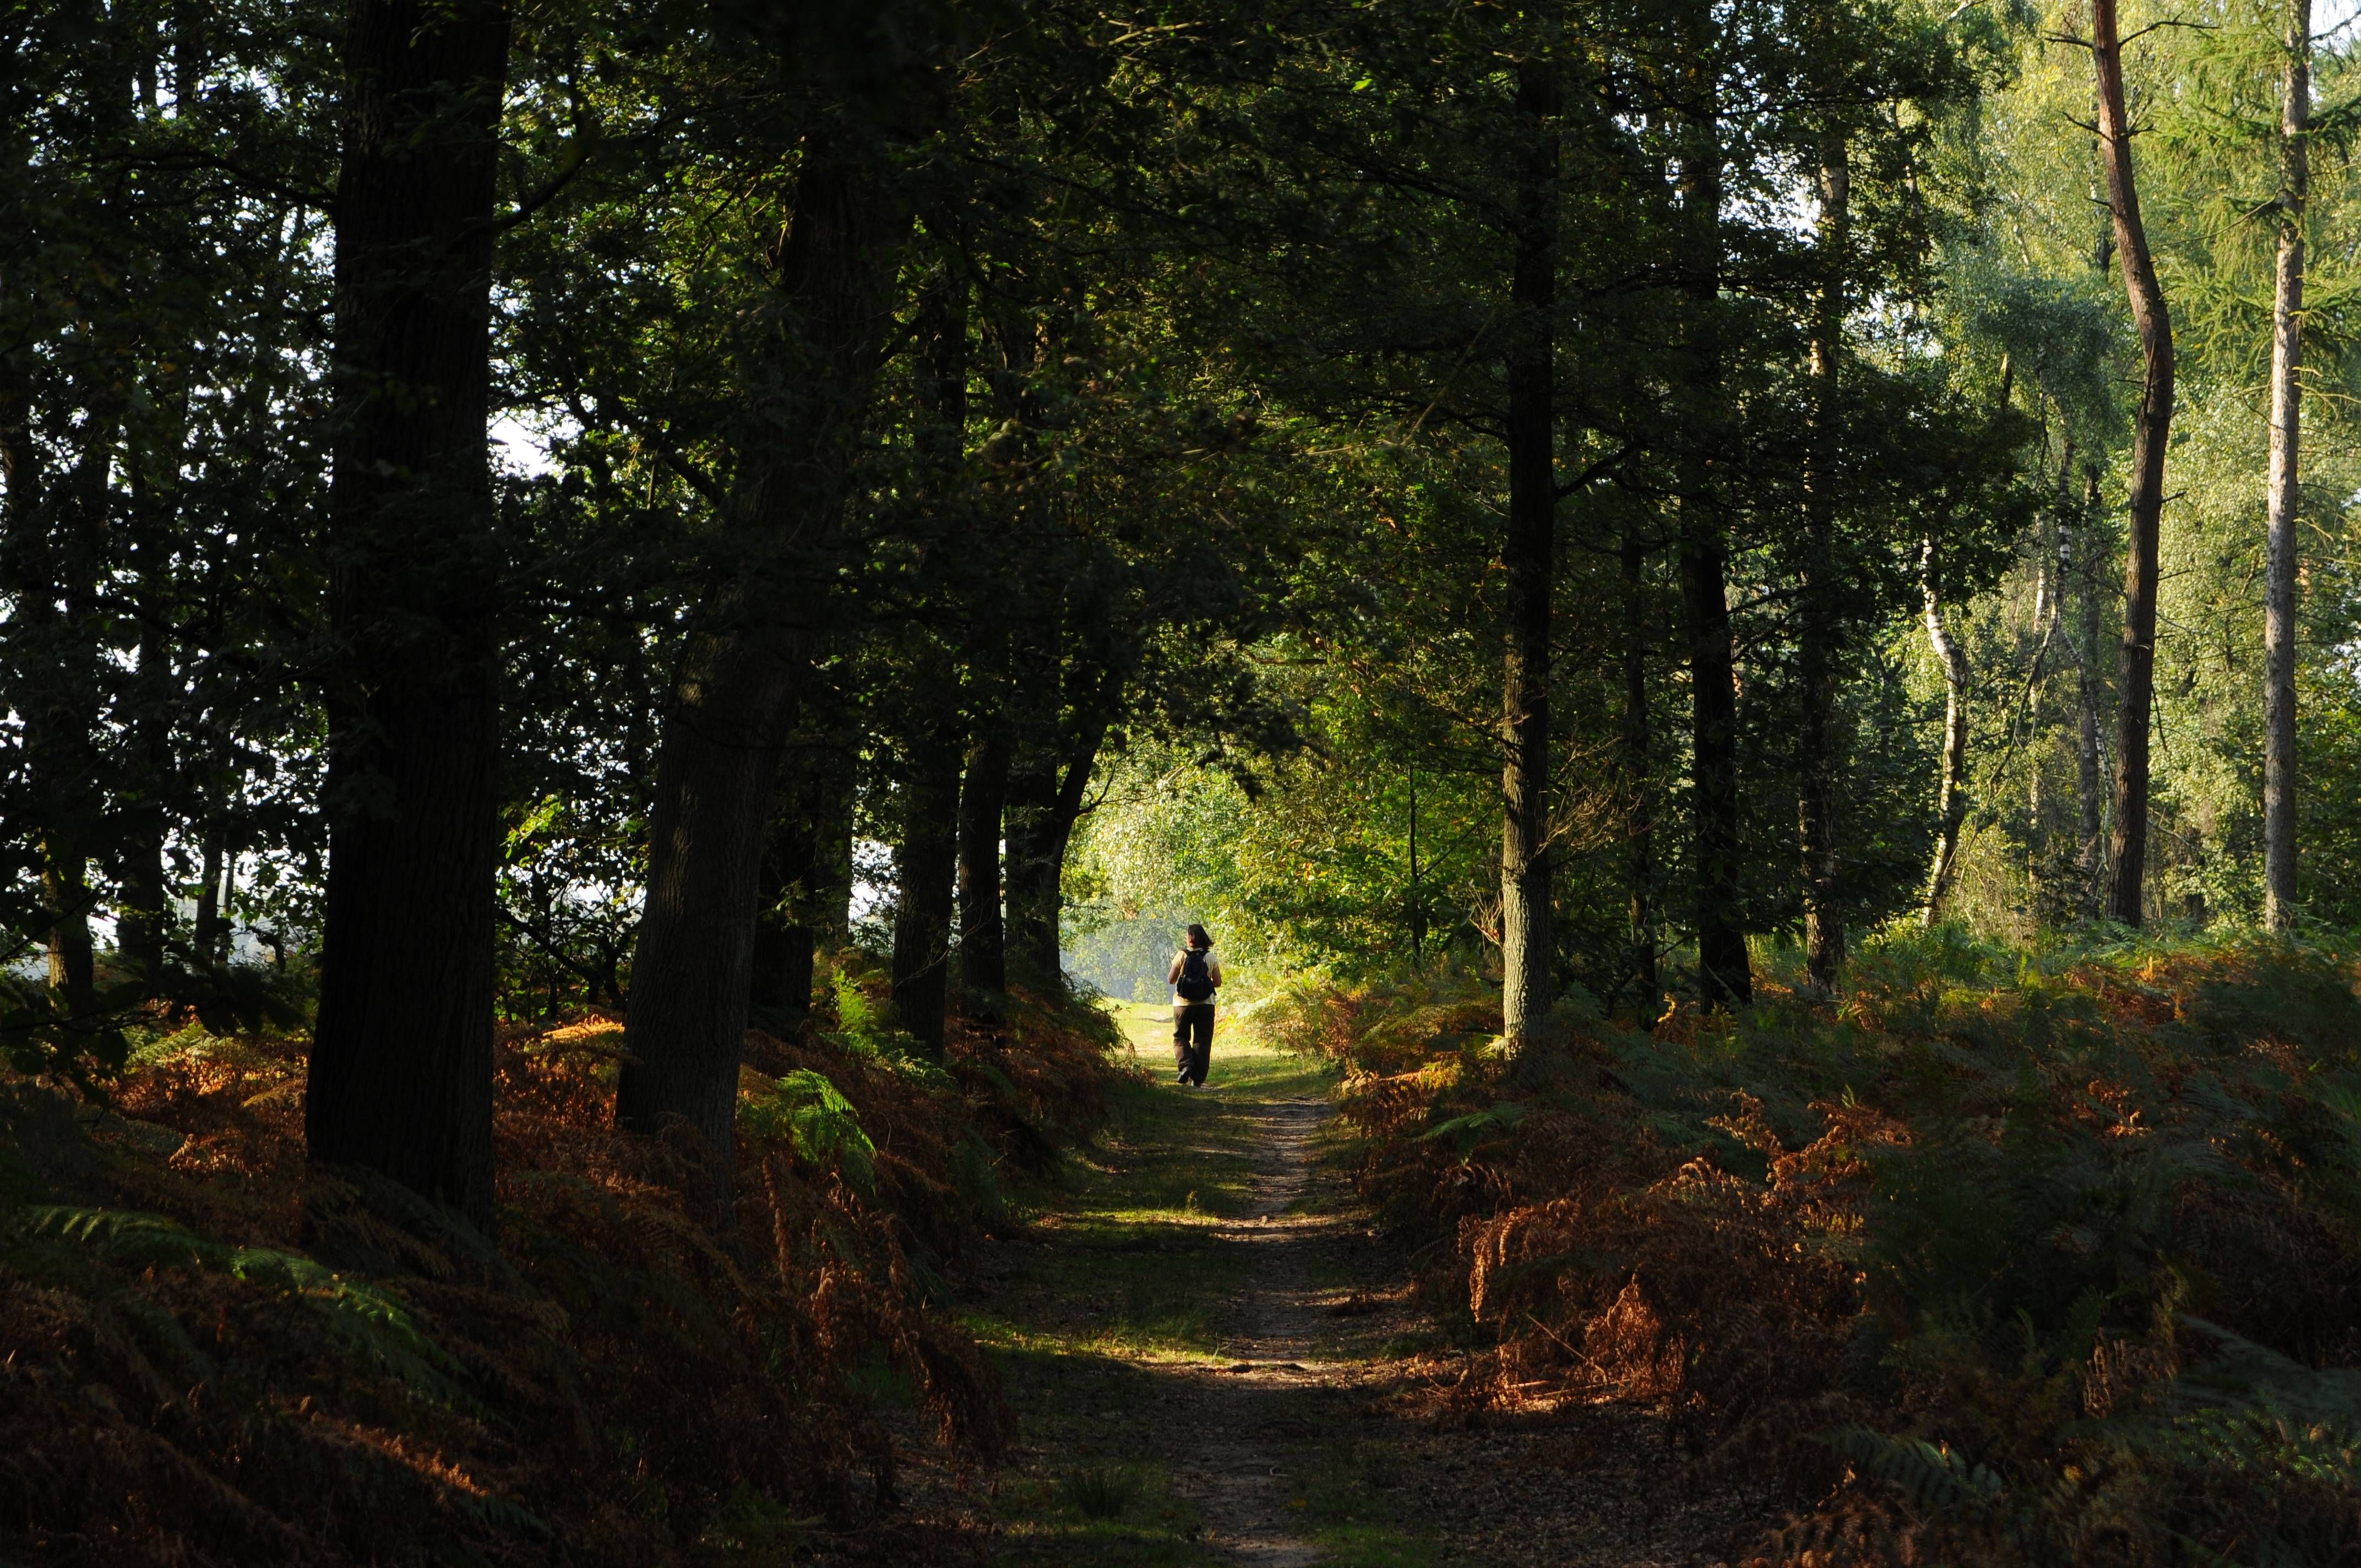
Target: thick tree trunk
[(2151, 431), (1952, 794), (984, 797), (402, 1059), (1824, 931), (2286, 496), (1639, 772), (821, 339), (1725, 975), (926, 865), (1527, 939)]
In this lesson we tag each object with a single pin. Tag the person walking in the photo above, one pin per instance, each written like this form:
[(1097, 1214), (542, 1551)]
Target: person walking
[(1195, 976)]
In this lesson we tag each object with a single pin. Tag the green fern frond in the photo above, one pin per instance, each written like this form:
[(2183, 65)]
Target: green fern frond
[(368, 1319), (807, 1110), (1932, 1476)]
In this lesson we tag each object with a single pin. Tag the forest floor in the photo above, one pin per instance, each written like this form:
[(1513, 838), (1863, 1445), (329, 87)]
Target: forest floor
[(1215, 1356)]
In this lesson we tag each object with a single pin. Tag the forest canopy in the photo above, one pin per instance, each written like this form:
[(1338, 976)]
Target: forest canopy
[(619, 620)]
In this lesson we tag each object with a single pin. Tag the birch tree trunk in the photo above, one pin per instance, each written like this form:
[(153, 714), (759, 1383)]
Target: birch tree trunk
[(2285, 499), (1527, 939), (1951, 795), (2151, 431)]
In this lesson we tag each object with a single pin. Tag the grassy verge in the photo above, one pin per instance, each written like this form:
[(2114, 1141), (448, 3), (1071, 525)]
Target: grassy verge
[(1123, 1278)]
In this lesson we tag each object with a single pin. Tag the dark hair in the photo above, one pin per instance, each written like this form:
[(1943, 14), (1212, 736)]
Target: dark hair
[(1197, 937)]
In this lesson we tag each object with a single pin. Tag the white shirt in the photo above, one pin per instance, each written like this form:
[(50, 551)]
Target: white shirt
[(1212, 972)]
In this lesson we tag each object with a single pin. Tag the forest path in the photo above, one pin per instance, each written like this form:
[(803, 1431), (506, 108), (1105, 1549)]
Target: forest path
[(1199, 1338)]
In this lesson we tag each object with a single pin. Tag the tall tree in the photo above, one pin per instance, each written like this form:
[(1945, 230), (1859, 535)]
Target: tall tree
[(1527, 942), (1724, 971), (1824, 932), (2151, 434), (401, 1060), (810, 372), (2285, 495)]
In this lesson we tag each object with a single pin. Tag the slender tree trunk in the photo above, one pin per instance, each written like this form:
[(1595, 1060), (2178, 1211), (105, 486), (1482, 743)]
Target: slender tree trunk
[(1725, 974), (402, 1059), (1951, 794), (207, 934), (984, 797), (779, 992), (1824, 931), (2090, 781), (1527, 940), (1639, 773), (2286, 497), (926, 864), (821, 340), (927, 854), (2151, 431)]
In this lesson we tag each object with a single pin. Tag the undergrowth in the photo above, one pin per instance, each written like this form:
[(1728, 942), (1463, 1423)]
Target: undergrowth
[(213, 1356), (1994, 1258)]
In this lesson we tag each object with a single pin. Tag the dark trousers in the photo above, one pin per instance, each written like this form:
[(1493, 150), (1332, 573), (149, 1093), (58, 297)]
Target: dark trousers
[(1192, 1040)]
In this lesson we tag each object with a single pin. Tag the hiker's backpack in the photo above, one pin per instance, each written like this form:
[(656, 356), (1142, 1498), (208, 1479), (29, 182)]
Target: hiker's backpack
[(1196, 980)]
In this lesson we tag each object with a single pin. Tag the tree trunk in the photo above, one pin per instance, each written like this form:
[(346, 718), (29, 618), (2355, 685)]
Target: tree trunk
[(1725, 975), (778, 989), (802, 411), (2286, 497), (1527, 940), (2089, 778), (1824, 932), (1639, 771), (2151, 430), (984, 793), (1045, 800), (207, 934), (1951, 794), (926, 865), (402, 1059)]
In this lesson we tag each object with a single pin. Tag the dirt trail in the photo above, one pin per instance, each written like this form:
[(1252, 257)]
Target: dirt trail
[(1211, 1306), (1279, 1385)]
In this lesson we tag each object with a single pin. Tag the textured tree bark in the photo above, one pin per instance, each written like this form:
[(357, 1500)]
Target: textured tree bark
[(1725, 974), (402, 1059), (816, 357), (2151, 433), (926, 865), (1824, 931), (2286, 494), (983, 796), (1639, 769), (1527, 939), (1951, 795)]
